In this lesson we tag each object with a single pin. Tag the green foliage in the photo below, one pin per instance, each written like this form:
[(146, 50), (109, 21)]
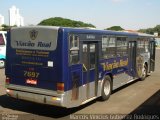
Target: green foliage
[(115, 28), (6, 27), (142, 30), (58, 21), (148, 31), (151, 30), (157, 29)]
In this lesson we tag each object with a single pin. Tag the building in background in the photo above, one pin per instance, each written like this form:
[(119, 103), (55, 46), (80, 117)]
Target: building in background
[(156, 34), (15, 18), (1, 20)]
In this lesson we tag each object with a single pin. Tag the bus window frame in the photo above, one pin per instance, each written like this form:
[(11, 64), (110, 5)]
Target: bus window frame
[(126, 46), (112, 56), (73, 49)]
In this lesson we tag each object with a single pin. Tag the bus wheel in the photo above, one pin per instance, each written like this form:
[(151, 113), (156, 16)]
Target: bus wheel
[(144, 72), (106, 88)]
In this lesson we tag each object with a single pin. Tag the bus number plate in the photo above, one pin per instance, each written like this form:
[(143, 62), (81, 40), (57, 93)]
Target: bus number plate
[(31, 74)]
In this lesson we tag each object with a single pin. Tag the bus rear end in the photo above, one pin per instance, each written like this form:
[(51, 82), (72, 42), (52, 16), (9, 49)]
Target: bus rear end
[(33, 65)]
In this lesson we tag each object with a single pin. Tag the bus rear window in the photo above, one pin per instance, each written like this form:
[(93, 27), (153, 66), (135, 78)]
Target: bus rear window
[(34, 38), (2, 40)]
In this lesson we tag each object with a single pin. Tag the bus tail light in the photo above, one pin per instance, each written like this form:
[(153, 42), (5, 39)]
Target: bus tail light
[(60, 87), (8, 80)]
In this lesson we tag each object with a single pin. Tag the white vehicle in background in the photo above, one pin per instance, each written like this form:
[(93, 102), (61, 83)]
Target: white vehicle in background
[(3, 37)]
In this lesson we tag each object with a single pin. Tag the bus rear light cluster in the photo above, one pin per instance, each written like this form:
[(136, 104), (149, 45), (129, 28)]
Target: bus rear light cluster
[(7, 80), (60, 87)]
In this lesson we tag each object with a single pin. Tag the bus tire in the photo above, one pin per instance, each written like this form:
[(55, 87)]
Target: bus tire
[(144, 73), (106, 88)]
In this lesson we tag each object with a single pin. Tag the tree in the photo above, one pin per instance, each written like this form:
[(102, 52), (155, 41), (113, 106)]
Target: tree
[(142, 30), (151, 30), (115, 28), (157, 29), (58, 21), (7, 27), (148, 30)]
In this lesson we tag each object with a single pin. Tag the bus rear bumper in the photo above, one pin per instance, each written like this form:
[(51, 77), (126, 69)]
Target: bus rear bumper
[(37, 98)]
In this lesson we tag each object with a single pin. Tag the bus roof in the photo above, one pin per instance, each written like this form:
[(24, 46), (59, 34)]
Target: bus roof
[(91, 31), (109, 32), (98, 31), (145, 35)]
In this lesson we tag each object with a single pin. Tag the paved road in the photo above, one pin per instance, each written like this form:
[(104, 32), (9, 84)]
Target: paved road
[(139, 100)]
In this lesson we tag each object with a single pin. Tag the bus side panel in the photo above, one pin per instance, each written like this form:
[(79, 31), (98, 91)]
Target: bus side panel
[(115, 65), (118, 68)]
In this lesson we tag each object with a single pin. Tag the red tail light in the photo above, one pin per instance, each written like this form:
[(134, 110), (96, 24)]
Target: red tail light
[(60, 87), (8, 80)]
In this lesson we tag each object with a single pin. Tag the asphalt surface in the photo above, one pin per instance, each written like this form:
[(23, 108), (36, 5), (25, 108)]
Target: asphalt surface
[(139, 100)]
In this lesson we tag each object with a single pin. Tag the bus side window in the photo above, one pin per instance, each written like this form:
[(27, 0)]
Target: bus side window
[(92, 56), (74, 49), (2, 40), (141, 45), (108, 47), (84, 60), (122, 46), (147, 45)]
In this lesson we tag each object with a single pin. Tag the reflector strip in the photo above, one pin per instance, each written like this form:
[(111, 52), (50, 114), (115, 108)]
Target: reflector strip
[(30, 81)]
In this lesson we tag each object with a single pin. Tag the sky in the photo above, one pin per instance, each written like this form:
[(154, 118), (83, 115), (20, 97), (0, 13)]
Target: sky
[(129, 14)]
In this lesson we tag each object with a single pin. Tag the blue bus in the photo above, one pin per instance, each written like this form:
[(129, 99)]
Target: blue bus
[(69, 67)]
